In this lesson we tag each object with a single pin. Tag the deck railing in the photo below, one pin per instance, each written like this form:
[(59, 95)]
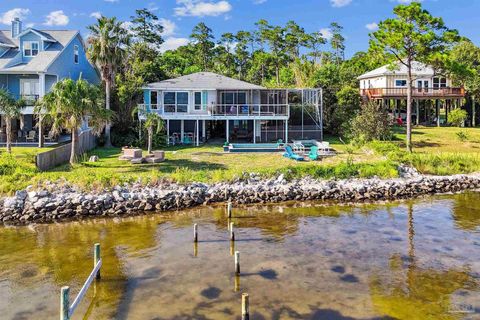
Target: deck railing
[(417, 92), (234, 110)]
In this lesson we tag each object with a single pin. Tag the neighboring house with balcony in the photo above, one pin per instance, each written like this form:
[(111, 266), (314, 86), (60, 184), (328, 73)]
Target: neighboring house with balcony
[(32, 61), (205, 105), (434, 95)]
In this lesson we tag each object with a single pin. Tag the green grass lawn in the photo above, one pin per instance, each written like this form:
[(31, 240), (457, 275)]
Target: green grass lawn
[(437, 151)]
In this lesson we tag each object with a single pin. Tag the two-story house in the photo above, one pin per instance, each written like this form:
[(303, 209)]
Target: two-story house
[(205, 105), (433, 94), (32, 61)]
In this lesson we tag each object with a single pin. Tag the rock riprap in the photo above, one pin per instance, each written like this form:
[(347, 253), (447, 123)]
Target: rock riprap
[(59, 202)]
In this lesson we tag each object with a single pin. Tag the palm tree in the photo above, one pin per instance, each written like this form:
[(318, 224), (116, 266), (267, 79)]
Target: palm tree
[(67, 106), (107, 41), (152, 121), (10, 108)]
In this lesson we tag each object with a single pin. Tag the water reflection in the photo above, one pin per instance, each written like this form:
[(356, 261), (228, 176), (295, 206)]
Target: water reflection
[(410, 260)]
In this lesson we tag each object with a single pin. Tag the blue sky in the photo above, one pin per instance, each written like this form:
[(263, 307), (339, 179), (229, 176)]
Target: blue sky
[(179, 16)]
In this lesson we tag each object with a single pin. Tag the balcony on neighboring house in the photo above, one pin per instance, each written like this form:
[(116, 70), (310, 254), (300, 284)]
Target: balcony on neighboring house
[(417, 93)]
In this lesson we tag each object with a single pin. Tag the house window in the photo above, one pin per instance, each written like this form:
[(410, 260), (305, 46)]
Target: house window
[(153, 100), (75, 54), (400, 83), (198, 101), (439, 83), (175, 101), (30, 48)]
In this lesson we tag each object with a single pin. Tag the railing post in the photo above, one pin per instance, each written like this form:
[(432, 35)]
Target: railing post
[(96, 257), (245, 306), (64, 303)]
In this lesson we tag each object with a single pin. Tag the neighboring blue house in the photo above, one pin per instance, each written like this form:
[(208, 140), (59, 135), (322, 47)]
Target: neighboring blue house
[(32, 61)]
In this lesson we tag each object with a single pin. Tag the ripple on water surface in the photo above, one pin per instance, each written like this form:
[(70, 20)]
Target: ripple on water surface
[(407, 260)]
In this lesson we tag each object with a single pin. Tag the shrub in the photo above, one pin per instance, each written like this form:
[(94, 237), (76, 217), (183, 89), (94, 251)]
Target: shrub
[(457, 117), (462, 135), (371, 124)]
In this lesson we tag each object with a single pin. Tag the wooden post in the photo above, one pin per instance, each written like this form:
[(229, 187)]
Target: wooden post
[(96, 257), (237, 262), (237, 283), (65, 303), (229, 209), (437, 111), (232, 234), (245, 307), (232, 248), (195, 233), (195, 249)]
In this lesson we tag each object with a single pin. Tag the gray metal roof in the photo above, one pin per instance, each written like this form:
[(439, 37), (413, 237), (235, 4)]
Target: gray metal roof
[(203, 81), (40, 62)]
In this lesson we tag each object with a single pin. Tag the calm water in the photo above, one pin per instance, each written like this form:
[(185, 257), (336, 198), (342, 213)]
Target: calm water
[(406, 260)]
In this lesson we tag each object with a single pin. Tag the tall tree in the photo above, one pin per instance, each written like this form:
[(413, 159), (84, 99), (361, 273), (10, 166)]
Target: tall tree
[(295, 39), (413, 35), (241, 52), (337, 42), (203, 39), (465, 58), (274, 36), (107, 41), (314, 42), (10, 109), (69, 104), (146, 27)]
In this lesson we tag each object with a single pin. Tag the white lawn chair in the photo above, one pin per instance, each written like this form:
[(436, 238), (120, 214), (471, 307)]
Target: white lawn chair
[(31, 136)]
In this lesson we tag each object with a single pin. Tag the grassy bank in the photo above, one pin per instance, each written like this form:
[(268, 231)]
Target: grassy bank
[(437, 151)]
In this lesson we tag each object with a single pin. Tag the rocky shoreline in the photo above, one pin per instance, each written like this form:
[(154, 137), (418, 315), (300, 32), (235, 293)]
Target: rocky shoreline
[(55, 203)]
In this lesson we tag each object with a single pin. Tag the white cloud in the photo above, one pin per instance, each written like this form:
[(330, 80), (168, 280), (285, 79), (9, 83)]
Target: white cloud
[(56, 18), (173, 43), (340, 3), (8, 16), (96, 15), (259, 1), (169, 27), (199, 8), (112, 1), (326, 33), (372, 26)]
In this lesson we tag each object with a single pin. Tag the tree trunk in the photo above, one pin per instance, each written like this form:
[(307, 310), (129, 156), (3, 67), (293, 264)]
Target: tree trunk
[(108, 87), (409, 108), (40, 131), (277, 73), (73, 152), (150, 137), (8, 121), (474, 115)]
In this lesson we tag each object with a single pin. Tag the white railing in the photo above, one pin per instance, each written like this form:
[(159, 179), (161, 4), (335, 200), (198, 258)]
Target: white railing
[(67, 310), (234, 110)]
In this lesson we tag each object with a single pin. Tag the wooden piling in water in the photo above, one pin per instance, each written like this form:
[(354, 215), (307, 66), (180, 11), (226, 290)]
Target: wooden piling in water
[(232, 234), (232, 248), (195, 233), (237, 283), (229, 209), (65, 303), (237, 262), (245, 307), (96, 258)]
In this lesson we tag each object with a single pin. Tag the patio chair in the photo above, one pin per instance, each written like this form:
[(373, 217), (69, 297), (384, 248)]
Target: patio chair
[(50, 137), (31, 136), (313, 154), (292, 155)]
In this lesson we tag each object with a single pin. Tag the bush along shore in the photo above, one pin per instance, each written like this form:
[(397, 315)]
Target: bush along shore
[(61, 203)]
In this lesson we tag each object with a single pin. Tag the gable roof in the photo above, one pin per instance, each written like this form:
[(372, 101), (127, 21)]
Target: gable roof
[(203, 81), (418, 68), (11, 62)]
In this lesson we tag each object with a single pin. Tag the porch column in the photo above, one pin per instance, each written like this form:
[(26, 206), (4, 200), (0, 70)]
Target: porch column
[(197, 135), (417, 111), (254, 131), (437, 108), (204, 131), (448, 104), (286, 131), (41, 94), (228, 131), (182, 131), (168, 132)]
